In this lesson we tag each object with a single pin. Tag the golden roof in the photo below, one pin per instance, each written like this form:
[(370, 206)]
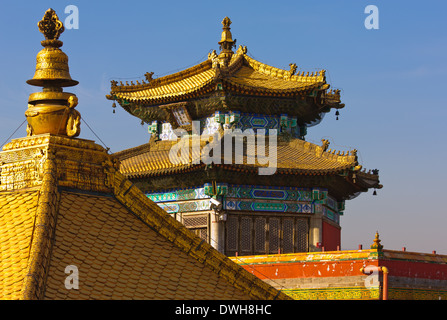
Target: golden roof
[(64, 203), (122, 258), (295, 156), (244, 75), (236, 72), (16, 224)]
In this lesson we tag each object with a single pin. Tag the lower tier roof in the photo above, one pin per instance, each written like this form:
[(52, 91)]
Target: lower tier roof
[(294, 157)]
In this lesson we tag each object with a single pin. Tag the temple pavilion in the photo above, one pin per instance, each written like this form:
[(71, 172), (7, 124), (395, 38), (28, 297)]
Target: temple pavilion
[(223, 196), (74, 223)]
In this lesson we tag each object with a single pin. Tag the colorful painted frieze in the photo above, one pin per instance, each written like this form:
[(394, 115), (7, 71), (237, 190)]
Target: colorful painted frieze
[(269, 193), (176, 195), (251, 198), (268, 206), (187, 206), (343, 293)]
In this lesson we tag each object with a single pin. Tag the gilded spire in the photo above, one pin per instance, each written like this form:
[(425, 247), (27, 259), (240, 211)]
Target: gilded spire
[(52, 110), (226, 42), (51, 63), (50, 25), (226, 33), (376, 244)]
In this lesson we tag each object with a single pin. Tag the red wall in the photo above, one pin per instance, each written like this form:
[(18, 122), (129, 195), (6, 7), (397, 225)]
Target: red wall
[(331, 237), (413, 269), (310, 269)]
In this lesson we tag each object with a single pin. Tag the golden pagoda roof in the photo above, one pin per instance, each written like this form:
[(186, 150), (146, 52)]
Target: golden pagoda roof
[(64, 203), (295, 157), (244, 75), (228, 80)]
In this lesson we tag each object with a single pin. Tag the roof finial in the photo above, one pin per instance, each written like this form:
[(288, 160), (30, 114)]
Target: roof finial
[(376, 244), (51, 27), (52, 110), (226, 33), (226, 42)]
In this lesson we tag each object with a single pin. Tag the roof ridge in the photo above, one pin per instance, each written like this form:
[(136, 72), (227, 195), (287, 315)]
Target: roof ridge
[(130, 152), (170, 78), (42, 238), (152, 145), (318, 76), (319, 151)]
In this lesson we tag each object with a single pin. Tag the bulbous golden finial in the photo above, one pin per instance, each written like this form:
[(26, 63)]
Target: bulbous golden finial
[(376, 244), (51, 63), (226, 42), (52, 110), (50, 25), (227, 37)]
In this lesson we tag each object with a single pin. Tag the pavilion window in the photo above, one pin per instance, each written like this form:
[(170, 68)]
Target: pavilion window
[(246, 245), (199, 224), (302, 238), (259, 234), (232, 236), (288, 234), (274, 235)]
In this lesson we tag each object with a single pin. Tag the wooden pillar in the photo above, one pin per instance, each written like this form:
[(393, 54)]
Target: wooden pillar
[(216, 232), (315, 232)]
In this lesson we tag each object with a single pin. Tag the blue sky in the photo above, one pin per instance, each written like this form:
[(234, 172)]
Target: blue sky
[(392, 81)]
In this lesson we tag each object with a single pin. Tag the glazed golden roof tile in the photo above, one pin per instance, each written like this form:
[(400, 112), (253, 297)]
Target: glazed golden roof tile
[(180, 84), (17, 214), (123, 244), (244, 73), (296, 156), (256, 80), (256, 75)]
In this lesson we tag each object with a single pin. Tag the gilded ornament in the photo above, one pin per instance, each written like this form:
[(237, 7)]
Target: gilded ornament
[(52, 110), (292, 68), (50, 25), (376, 244), (325, 145), (148, 76), (241, 50)]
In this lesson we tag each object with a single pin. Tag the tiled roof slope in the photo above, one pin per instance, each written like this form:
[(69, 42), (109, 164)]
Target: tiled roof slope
[(119, 257), (243, 73), (295, 156), (17, 213), (81, 211)]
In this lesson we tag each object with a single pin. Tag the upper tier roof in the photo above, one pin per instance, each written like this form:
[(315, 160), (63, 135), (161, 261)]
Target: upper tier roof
[(229, 81), (243, 75)]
